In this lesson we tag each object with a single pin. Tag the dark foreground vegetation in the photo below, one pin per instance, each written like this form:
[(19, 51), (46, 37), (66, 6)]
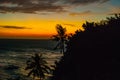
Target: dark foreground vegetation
[(93, 54), (37, 66)]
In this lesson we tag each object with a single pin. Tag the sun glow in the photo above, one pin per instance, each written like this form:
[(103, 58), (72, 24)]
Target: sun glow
[(20, 19), (35, 28)]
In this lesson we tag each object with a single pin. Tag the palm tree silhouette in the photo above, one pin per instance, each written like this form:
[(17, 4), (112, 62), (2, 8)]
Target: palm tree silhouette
[(61, 37), (37, 66)]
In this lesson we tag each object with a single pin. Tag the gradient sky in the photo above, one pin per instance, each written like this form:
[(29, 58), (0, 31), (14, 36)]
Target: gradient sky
[(38, 18)]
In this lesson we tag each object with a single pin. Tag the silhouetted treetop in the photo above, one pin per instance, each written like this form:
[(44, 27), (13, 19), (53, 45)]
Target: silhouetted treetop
[(93, 54), (61, 31), (61, 37), (104, 25)]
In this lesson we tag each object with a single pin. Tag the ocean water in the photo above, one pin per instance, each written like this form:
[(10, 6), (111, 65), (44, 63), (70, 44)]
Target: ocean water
[(13, 51), (25, 44), (18, 51)]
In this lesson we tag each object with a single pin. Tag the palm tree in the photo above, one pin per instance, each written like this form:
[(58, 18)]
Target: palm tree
[(61, 37), (37, 66)]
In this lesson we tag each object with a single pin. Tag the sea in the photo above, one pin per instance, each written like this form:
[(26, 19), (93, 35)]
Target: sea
[(18, 51), (14, 51), (21, 45)]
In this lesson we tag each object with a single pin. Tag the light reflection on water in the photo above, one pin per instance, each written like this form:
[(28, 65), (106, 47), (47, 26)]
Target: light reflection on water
[(10, 57), (17, 52)]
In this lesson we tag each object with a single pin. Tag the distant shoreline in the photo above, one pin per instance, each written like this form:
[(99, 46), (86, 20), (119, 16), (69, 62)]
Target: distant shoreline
[(26, 43)]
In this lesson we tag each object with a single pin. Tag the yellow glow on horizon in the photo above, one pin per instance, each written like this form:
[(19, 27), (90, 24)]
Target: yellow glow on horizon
[(36, 27)]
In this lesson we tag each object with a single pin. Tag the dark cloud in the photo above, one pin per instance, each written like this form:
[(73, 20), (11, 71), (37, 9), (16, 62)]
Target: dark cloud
[(34, 6), (81, 13), (71, 25), (83, 2), (14, 27), (29, 6)]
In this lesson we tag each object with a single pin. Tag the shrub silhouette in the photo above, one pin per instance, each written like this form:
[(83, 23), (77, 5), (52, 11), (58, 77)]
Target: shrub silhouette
[(92, 54)]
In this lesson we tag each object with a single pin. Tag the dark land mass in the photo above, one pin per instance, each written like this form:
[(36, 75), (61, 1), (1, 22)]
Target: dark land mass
[(93, 54)]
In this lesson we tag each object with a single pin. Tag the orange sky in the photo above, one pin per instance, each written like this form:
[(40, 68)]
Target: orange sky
[(21, 20), (34, 26)]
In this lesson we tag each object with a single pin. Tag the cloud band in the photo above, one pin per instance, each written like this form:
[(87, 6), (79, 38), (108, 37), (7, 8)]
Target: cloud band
[(14, 27), (34, 6)]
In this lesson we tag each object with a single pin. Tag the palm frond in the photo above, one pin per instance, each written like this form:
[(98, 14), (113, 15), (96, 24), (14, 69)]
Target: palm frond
[(37, 66), (45, 70), (57, 46), (46, 67), (55, 37), (31, 72)]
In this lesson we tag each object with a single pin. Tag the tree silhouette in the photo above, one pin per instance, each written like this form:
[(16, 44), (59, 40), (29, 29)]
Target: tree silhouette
[(92, 54), (37, 66), (61, 37)]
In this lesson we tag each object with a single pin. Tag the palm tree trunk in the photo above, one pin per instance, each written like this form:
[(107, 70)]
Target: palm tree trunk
[(63, 46), (63, 49)]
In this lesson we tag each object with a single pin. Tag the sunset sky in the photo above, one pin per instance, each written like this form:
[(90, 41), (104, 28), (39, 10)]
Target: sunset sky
[(38, 18)]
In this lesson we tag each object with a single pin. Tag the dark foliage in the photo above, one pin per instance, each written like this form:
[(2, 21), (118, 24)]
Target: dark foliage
[(93, 54), (37, 66), (61, 37)]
